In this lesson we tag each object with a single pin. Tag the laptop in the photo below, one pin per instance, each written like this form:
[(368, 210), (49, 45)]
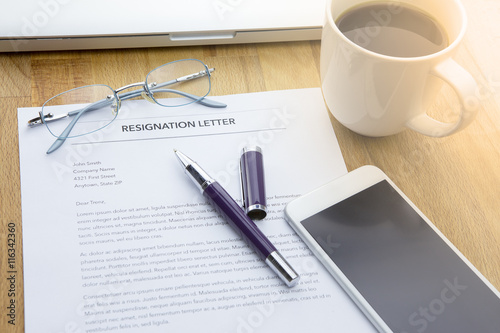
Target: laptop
[(42, 25)]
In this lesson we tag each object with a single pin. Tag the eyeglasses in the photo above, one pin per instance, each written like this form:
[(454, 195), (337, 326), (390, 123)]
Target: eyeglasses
[(94, 107)]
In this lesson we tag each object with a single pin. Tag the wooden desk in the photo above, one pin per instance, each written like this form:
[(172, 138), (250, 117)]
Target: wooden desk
[(455, 181)]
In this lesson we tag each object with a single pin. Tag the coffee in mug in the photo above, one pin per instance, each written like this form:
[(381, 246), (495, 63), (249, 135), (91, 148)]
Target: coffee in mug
[(383, 62), (404, 31)]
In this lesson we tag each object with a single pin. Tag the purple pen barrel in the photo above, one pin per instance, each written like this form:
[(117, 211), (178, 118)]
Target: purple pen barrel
[(250, 233), (237, 219), (252, 183)]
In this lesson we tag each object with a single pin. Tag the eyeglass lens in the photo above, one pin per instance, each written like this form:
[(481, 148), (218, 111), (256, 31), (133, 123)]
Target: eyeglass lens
[(179, 83), (89, 108)]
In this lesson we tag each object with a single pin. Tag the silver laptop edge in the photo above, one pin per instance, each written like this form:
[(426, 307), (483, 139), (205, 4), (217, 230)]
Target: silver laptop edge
[(46, 25)]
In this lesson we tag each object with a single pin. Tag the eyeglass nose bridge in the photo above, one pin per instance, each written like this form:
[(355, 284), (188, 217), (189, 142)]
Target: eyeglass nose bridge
[(145, 93), (132, 85)]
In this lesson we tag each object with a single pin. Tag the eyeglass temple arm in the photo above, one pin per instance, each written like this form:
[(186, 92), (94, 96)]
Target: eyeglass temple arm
[(50, 117), (60, 140), (203, 101), (138, 92), (200, 100)]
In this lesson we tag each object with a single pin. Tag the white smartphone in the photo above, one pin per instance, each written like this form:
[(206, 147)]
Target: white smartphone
[(393, 262)]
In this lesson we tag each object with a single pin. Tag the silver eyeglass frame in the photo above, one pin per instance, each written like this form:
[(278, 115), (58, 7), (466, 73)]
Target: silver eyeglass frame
[(145, 92)]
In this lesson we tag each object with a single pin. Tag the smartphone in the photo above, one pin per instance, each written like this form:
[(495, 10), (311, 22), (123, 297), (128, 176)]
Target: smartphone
[(393, 262)]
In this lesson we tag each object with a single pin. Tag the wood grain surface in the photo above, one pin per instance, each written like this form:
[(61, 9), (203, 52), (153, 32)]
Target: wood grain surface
[(455, 181)]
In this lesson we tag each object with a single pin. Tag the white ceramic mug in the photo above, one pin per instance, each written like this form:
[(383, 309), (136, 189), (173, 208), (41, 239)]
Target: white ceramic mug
[(378, 95)]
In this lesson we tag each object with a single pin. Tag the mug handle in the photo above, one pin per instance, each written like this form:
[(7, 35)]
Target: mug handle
[(465, 87)]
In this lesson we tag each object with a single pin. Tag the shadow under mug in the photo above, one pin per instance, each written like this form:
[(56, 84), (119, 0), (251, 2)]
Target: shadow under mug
[(378, 95)]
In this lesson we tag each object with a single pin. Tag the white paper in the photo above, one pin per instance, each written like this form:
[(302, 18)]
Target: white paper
[(117, 238)]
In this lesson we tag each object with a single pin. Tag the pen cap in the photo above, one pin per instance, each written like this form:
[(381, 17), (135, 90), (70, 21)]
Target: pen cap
[(252, 182)]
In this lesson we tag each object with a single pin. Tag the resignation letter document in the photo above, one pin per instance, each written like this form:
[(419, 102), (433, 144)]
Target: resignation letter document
[(117, 238)]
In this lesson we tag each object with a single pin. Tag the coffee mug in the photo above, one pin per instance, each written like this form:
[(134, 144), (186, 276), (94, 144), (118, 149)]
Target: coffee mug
[(378, 83)]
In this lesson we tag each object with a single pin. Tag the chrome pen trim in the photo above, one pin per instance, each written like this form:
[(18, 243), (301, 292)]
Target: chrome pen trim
[(194, 171), (282, 268)]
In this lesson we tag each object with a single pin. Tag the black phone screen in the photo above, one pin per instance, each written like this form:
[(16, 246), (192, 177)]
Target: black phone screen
[(403, 269)]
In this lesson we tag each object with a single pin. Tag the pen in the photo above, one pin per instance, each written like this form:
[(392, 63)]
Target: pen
[(238, 219)]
